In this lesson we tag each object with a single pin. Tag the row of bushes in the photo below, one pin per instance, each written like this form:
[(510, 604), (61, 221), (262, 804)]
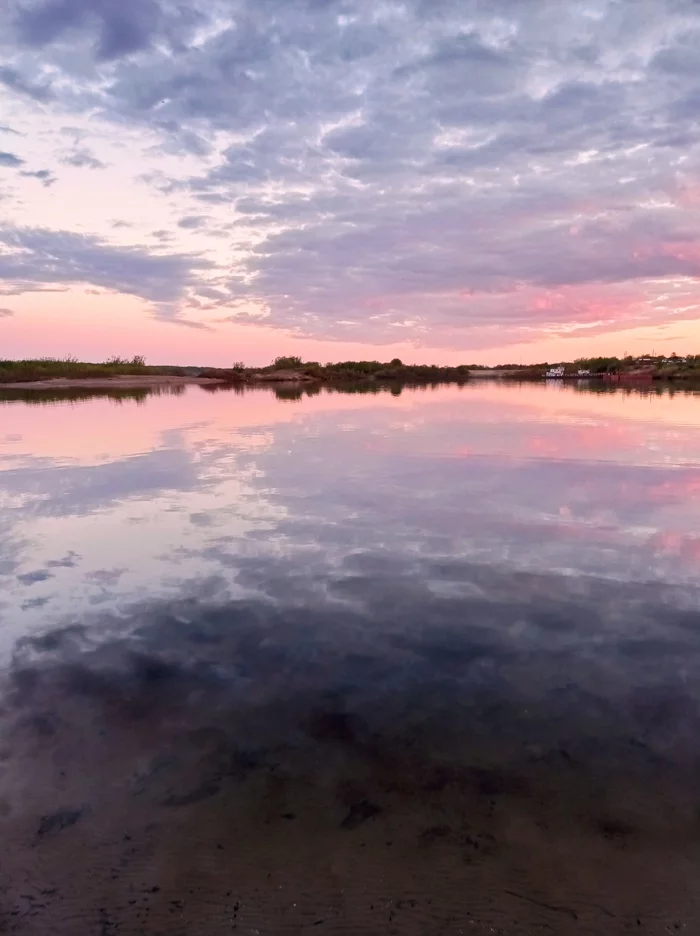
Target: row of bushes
[(70, 367), (363, 370), (73, 369)]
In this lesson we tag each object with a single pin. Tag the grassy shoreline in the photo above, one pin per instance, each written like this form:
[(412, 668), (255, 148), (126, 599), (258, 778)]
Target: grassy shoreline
[(67, 372), (71, 372), (43, 369)]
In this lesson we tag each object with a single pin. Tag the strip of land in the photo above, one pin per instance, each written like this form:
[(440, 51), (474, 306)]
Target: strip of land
[(125, 382), (134, 373)]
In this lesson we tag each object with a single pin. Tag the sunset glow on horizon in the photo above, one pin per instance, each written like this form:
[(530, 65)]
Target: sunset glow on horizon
[(443, 181)]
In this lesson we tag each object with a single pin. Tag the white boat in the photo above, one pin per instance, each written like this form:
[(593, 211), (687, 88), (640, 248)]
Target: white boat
[(555, 372)]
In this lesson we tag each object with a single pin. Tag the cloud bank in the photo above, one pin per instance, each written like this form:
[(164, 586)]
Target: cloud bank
[(457, 174)]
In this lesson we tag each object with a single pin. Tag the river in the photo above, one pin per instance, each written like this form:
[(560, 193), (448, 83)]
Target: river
[(417, 661)]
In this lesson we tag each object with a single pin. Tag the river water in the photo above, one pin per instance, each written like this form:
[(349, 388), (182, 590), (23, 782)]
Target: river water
[(423, 661)]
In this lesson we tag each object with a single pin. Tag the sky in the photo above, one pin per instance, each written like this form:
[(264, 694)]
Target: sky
[(456, 181)]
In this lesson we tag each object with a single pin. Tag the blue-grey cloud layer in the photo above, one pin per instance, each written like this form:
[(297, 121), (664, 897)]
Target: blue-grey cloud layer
[(417, 169), (11, 160), (33, 257)]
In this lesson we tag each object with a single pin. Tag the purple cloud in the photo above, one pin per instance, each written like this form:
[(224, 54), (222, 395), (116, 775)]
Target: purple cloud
[(518, 168)]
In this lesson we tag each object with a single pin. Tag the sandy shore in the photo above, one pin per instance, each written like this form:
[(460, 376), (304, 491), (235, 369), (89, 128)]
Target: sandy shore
[(108, 383), (497, 372)]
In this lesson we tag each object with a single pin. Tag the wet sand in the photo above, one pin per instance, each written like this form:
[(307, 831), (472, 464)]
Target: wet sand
[(129, 382), (495, 372), (261, 769)]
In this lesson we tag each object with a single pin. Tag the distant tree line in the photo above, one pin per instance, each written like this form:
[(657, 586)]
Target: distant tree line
[(377, 370)]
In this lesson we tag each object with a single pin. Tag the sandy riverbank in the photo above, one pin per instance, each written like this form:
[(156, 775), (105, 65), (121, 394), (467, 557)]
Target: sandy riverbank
[(496, 372), (126, 382)]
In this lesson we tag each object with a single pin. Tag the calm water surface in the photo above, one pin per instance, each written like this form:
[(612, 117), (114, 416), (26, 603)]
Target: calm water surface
[(417, 662)]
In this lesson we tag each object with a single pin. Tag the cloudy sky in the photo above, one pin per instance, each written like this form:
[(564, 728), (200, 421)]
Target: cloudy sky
[(453, 180)]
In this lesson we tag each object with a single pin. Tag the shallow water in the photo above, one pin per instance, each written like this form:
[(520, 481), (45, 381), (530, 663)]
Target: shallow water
[(417, 662)]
